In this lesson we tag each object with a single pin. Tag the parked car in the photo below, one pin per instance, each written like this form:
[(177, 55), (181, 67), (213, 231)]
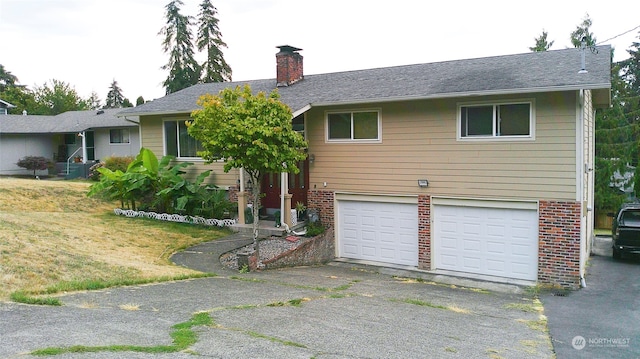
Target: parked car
[(626, 230)]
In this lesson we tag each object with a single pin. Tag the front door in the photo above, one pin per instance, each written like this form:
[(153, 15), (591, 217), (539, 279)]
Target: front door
[(298, 185)]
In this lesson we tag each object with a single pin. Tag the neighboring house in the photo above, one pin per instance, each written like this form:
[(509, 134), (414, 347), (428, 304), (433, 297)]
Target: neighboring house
[(479, 167), (73, 136), (4, 107)]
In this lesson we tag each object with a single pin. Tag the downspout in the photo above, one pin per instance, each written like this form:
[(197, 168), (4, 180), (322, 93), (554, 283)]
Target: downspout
[(284, 185), (583, 282)]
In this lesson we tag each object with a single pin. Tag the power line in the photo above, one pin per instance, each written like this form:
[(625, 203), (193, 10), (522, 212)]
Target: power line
[(624, 33)]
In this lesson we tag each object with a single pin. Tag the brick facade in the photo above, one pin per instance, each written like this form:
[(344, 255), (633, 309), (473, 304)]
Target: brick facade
[(424, 232), (322, 201), (559, 243)]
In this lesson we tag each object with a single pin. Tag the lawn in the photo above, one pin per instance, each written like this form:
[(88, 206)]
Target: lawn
[(51, 233)]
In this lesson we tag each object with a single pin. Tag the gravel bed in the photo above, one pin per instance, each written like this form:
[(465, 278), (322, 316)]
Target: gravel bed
[(269, 248)]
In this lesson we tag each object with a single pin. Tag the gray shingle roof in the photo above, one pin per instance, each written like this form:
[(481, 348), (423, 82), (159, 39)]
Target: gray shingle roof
[(521, 73), (70, 121)]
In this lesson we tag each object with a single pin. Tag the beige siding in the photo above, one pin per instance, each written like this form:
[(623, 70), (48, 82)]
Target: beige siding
[(419, 141), (152, 138)]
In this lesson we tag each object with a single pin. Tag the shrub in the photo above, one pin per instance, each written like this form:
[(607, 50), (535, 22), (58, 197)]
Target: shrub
[(118, 163), (151, 185), (35, 163), (314, 229), (113, 163)]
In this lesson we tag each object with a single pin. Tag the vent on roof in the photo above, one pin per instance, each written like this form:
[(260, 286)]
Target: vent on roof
[(100, 112)]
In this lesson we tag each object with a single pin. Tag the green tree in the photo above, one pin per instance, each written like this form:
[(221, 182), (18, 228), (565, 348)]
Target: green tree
[(139, 101), (58, 97), (94, 102), (249, 132), (615, 147), (630, 69), (215, 68), (22, 98), (115, 98), (184, 70), (7, 79), (581, 32), (542, 44)]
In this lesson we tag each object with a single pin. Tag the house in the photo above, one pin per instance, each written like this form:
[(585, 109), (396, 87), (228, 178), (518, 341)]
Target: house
[(73, 136), (4, 107), (480, 167)]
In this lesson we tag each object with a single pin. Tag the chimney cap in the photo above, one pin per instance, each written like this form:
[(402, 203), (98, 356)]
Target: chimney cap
[(288, 48)]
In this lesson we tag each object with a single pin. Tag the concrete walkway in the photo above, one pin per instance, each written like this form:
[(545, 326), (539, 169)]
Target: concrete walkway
[(205, 257)]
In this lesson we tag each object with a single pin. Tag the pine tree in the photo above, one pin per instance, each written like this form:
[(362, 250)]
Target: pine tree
[(215, 68), (582, 32), (541, 43), (184, 70), (115, 99), (7, 79)]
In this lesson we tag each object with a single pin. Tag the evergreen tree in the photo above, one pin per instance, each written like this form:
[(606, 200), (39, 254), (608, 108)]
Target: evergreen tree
[(7, 79), (215, 68), (94, 102), (184, 70), (541, 43), (115, 99), (631, 103), (139, 101), (582, 32)]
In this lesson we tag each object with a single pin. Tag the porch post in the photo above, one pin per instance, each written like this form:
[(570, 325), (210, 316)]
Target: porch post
[(287, 212), (84, 146)]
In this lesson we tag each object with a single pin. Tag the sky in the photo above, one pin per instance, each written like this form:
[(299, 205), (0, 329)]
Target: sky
[(90, 43)]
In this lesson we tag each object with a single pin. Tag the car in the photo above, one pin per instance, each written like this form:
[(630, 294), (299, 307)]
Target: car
[(625, 232)]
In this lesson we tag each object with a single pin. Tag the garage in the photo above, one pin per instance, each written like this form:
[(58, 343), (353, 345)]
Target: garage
[(486, 238), (379, 229)]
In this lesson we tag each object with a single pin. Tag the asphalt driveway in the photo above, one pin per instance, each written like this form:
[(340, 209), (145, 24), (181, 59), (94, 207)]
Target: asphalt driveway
[(332, 311), (603, 319)]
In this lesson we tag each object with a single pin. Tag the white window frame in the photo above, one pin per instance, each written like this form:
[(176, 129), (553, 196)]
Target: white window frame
[(494, 137), (123, 131), (164, 140), (352, 140)]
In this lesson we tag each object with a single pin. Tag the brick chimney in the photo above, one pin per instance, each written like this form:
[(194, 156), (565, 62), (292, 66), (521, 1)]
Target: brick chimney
[(289, 65)]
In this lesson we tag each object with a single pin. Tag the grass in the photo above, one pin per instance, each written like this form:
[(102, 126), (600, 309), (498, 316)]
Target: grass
[(183, 336), (424, 303), (55, 239)]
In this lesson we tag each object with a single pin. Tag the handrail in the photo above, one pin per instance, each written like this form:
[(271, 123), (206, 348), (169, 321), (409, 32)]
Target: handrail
[(69, 159)]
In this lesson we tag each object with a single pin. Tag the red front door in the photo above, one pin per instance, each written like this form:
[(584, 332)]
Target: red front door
[(298, 185)]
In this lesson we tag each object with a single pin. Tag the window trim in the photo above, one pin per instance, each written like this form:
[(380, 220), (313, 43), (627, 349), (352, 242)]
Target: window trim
[(120, 143), (493, 137), (164, 140), (352, 140)]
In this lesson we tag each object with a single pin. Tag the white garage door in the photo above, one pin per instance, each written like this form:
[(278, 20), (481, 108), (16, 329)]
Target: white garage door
[(489, 241), (377, 231)]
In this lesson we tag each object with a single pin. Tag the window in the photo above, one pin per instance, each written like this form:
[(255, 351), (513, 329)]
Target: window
[(496, 120), (353, 126), (119, 135), (298, 124), (178, 142)]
